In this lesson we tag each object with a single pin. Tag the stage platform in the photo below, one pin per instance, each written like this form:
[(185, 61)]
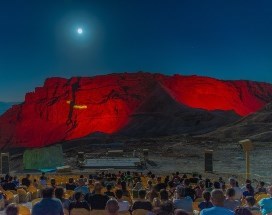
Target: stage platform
[(117, 163)]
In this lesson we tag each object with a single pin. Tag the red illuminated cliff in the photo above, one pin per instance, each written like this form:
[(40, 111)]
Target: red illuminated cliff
[(65, 109)]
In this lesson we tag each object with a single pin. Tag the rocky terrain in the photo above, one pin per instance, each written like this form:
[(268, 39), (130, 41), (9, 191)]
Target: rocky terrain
[(129, 104)]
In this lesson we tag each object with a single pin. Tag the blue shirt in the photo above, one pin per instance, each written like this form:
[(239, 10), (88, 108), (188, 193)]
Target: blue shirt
[(204, 205), (83, 189), (48, 206), (185, 204), (266, 205), (216, 211)]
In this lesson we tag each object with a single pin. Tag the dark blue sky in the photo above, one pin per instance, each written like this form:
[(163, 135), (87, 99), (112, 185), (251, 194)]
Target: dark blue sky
[(226, 39)]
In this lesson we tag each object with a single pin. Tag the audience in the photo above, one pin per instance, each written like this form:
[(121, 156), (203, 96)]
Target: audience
[(230, 202), (79, 202), (48, 204), (26, 181), (217, 199), (112, 207), (182, 201), (123, 205), (12, 209), (142, 203), (206, 203), (97, 201), (168, 195), (266, 203)]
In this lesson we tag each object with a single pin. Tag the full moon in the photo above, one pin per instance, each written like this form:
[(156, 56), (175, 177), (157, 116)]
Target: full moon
[(79, 31)]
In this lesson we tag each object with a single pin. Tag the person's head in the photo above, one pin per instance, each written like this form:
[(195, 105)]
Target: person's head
[(81, 182), (180, 212), (35, 180), (159, 180), (164, 195), (261, 183), (59, 192), (124, 185), (230, 193), (12, 209), (79, 196), (43, 173), (119, 194), (249, 188), (206, 196), (181, 192), (97, 187), (166, 208), (242, 211), (186, 182), (142, 194), (232, 182), (108, 187), (216, 185), (71, 181), (27, 176), (250, 201), (112, 207), (217, 197), (53, 182), (48, 192)]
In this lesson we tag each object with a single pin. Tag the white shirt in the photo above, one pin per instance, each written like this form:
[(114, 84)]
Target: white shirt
[(123, 206)]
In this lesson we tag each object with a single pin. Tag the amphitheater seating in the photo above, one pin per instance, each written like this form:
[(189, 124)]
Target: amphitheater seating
[(98, 212), (261, 196), (81, 211), (140, 212), (23, 210), (35, 201), (11, 197), (23, 195)]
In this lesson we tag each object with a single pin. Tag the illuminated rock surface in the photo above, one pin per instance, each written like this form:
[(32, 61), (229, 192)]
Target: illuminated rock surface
[(129, 104)]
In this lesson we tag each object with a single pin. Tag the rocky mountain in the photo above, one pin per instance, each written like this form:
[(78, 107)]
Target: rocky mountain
[(128, 104)]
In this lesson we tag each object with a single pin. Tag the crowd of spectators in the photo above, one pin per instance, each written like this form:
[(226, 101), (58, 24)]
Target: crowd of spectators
[(126, 192)]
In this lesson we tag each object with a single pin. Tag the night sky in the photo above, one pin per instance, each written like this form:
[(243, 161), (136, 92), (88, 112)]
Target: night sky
[(226, 39)]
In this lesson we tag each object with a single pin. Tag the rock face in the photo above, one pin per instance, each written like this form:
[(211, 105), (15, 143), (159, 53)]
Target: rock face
[(128, 103)]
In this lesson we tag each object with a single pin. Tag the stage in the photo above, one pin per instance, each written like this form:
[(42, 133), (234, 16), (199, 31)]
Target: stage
[(117, 163)]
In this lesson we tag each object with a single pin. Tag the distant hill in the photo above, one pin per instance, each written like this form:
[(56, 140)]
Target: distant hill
[(129, 104), (4, 106), (256, 126)]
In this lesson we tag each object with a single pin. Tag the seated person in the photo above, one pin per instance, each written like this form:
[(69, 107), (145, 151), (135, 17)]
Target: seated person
[(43, 179), (109, 192), (112, 207), (165, 208), (142, 203), (261, 188), (82, 187), (182, 201), (217, 199), (249, 191), (123, 205), (97, 201), (250, 204), (230, 201), (12, 209), (79, 202), (266, 203), (26, 181), (59, 194), (71, 184), (242, 211), (48, 204), (206, 203), (9, 185)]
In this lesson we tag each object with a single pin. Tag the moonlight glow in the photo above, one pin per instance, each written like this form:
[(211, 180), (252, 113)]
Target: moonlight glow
[(79, 31)]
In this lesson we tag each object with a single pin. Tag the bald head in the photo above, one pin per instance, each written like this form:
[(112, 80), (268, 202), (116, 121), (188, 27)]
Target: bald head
[(217, 197), (112, 207)]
